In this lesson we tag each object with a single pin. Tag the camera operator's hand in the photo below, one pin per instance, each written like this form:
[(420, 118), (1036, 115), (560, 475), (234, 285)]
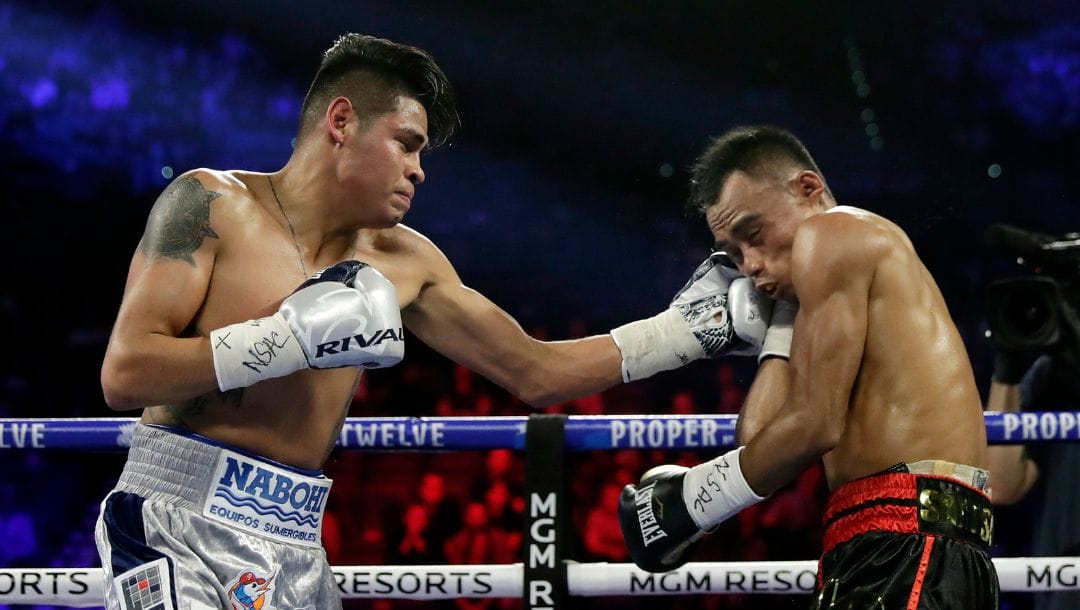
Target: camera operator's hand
[(1012, 471), (1011, 365)]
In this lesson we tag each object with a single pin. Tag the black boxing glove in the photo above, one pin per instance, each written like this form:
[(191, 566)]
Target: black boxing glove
[(654, 521), (674, 506)]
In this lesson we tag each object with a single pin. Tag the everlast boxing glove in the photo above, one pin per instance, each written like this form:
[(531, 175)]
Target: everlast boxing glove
[(674, 506)]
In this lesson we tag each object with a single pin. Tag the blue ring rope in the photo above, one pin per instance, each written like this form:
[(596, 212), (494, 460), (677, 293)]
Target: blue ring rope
[(583, 432)]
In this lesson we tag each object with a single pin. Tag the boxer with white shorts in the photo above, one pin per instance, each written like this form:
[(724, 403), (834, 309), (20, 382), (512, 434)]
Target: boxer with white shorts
[(257, 523), (217, 346)]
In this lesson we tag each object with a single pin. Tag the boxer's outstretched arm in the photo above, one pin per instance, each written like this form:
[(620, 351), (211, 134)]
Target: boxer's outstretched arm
[(468, 328), (147, 362), (832, 268), (716, 313)]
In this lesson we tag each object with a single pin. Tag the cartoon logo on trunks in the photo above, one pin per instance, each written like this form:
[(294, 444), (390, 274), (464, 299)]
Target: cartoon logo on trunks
[(250, 592)]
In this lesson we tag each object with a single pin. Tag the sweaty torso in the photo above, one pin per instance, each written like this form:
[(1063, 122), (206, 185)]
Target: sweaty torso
[(293, 419), (914, 396)]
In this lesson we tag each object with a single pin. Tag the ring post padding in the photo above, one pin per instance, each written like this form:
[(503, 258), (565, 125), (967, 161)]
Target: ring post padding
[(545, 513)]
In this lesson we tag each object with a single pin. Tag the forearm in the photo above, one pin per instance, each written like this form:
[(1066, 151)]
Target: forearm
[(779, 445), (1012, 472), (764, 400), (559, 371), (156, 369), (792, 442), (466, 327)]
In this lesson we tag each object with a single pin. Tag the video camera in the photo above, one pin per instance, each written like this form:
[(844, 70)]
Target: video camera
[(1035, 312)]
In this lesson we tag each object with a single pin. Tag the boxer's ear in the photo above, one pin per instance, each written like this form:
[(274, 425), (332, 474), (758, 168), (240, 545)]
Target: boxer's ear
[(338, 113), (809, 186)]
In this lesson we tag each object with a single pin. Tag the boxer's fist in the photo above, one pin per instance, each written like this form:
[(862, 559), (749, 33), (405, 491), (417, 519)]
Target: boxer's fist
[(717, 313), (345, 315), (673, 507), (727, 315), (654, 521)]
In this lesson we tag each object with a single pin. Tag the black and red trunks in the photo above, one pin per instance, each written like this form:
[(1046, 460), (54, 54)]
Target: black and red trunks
[(902, 541)]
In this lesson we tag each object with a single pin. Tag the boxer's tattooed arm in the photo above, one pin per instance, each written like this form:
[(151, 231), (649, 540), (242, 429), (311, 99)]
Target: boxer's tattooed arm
[(179, 221)]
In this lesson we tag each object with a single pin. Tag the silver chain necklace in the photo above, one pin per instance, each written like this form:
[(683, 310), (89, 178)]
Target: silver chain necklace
[(292, 230)]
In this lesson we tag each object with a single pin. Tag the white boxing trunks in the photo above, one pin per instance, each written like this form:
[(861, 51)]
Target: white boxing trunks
[(195, 524)]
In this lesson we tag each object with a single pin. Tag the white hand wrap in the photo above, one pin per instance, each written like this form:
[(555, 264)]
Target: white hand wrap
[(716, 490), (778, 337), (660, 343), (255, 350)]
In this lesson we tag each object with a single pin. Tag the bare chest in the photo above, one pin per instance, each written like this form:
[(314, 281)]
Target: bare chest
[(249, 282), (253, 277)]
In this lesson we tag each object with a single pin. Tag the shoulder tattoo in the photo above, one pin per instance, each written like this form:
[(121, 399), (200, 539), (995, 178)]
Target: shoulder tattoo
[(179, 221)]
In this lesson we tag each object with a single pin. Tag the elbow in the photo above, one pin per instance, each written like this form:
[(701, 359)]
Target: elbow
[(116, 388), (537, 398), (745, 430), (824, 435), (531, 389), (1008, 487), (1004, 496), (1009, 493), (117, 399), (120, 402), (826, 442)]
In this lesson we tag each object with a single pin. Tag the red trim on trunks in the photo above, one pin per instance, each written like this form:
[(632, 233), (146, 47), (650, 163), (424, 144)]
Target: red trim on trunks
[(883, 518), (916, 587), (895, 486)]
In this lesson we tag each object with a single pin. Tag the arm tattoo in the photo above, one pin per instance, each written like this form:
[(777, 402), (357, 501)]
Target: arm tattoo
[(181, 414), (179, 221)]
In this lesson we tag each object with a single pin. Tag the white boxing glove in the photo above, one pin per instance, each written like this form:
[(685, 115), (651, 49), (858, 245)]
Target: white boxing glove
[(717, 313), (345, 315)]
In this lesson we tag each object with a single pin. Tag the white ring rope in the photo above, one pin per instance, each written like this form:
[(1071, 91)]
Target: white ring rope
[(82, 587)]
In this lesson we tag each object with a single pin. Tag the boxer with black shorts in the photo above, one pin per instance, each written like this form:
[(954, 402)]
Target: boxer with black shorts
[(244, 361), (863, 368)]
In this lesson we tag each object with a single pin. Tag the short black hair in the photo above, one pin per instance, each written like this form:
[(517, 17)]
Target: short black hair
[(753, 150), (372, 72)]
